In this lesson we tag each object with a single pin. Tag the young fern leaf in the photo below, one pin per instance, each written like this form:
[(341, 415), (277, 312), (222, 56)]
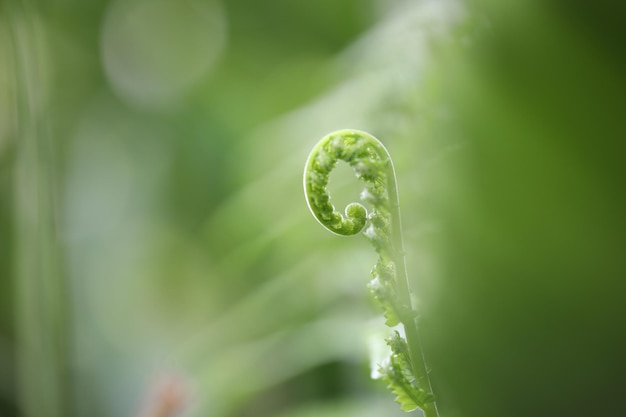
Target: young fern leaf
[(405, 371), (400, 379)]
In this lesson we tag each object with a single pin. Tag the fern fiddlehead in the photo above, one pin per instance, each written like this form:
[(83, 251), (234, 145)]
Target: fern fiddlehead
[(404, 372)]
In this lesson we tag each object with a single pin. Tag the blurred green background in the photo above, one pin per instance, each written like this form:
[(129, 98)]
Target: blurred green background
[(157, 257)]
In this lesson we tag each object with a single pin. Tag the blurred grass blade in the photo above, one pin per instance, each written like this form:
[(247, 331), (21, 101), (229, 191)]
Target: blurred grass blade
[(41, 315)]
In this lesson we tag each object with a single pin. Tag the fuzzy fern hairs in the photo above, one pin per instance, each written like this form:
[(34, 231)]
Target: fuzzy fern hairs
[(404, 371)]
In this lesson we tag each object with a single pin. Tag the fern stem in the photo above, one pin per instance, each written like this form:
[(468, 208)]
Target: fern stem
[(409, 322)]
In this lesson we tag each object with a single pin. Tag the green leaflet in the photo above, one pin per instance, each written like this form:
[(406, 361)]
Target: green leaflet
[(383, 290), (404, 371), (398, 374)]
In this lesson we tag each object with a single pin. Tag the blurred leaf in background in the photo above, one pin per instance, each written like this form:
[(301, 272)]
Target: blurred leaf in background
[(521, 211), (159, 255), (156, 253)]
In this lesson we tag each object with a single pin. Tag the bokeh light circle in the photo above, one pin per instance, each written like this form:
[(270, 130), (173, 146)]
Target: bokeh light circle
[(154, 51)]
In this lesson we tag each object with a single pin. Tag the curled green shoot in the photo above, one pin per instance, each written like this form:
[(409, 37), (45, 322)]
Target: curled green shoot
[(405, 371)]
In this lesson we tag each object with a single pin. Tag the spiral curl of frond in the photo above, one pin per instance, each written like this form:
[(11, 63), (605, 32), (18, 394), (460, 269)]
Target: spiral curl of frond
[(370, 161)]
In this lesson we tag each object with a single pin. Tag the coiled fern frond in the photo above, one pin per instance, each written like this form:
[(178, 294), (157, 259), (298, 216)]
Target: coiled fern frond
[(404, 371)]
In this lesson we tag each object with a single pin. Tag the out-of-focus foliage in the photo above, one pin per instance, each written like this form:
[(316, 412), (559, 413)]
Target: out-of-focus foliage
[(156, 252), (159, 254), (519, 216)]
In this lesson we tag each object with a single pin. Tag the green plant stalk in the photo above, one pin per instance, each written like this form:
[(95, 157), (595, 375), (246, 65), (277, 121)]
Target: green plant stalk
[(406, 372), (409, 322)]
